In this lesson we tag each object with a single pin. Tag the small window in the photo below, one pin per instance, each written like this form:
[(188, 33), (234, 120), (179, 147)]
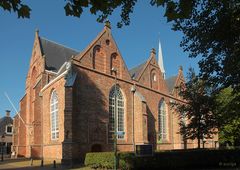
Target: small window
[(108, 42), (9, 129), (154, 77)]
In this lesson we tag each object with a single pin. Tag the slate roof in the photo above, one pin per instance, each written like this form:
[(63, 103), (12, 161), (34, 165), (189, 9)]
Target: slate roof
[(171, 83), (4, 121), (55, 54), (135, 71)]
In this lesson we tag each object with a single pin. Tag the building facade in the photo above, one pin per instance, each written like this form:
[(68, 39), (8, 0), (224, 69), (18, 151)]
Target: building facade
[(6, 132), (71, 99)]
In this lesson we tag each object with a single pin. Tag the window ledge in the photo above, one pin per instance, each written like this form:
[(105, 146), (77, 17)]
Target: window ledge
[(8, 133), (165, 141)]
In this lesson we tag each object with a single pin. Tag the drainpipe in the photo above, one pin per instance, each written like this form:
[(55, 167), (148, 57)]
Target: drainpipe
[(115, 118), (133, 90)]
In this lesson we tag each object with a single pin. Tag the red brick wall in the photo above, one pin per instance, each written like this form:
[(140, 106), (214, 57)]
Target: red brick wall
[(104, 55), (29, 132), (99, 58), (37, 126), (91, 109), (21, 129), (53, 148)]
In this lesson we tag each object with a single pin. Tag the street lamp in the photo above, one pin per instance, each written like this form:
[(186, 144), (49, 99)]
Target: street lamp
[(3, 137), (115, 118)]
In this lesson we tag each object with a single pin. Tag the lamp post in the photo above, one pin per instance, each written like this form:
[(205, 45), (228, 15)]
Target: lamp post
[(3, 137), (115, 118)]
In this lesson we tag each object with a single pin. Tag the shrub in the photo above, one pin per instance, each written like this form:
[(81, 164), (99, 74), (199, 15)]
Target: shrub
[(104, 160), (100, 160), (178, 159), (185, 159)]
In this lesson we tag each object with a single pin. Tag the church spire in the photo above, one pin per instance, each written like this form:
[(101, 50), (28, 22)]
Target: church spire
[(160, 59)]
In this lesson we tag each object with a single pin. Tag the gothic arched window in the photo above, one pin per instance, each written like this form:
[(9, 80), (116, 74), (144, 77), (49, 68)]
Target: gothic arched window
[(153, 79), (162, 121), (54, 116), (96, 50), (115, 63), (116, 93)]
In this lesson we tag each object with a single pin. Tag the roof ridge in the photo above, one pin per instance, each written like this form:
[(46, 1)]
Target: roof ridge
[(138, 65), (171, 77), (59, 44), (134, 72)]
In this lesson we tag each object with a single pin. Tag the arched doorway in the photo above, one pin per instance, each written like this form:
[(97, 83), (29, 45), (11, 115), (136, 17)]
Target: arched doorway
[(96, 148)]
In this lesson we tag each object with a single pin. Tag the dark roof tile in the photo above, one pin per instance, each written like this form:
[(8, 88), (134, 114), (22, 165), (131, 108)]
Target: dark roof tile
[(55, 54), (4, 121), (171, 83), (134, 72)]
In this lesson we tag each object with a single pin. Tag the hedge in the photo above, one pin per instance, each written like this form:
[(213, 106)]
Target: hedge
[(189, 159), (178, 159), (105, 160)]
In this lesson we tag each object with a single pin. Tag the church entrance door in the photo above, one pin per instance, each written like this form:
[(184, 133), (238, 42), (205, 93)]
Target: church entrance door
[(96, 148)]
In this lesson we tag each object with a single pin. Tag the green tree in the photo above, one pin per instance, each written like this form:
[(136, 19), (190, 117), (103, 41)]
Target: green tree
[(228, 116), (197, 118), (212, 32)]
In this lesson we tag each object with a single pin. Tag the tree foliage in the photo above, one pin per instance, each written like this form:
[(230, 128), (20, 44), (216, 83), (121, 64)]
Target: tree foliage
[(17, 6), (102, 8), (212, 31), (228, 116), (197, 118)]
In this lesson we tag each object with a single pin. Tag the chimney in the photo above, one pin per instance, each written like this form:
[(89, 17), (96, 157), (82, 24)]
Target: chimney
[(8, 113)]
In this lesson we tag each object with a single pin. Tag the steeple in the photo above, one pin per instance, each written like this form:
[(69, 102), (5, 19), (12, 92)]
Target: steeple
[(160, 59)]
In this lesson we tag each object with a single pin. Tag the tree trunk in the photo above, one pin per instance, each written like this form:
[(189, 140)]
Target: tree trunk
[(198, 132), (199, 142)]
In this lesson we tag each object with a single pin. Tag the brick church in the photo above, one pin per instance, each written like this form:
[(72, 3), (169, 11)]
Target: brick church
[(71, 98)]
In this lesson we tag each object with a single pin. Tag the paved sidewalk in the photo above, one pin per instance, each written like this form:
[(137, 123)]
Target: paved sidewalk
[(25, 164)]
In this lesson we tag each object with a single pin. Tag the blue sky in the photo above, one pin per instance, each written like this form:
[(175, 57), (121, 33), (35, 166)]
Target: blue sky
[(134, 41)]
